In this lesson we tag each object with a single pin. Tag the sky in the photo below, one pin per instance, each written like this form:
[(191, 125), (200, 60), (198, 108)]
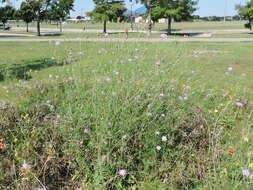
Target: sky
[(205, 7)]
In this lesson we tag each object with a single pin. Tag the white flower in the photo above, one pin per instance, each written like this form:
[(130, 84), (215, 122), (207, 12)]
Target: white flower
[(164, 139), (114, 94), (157, 132)]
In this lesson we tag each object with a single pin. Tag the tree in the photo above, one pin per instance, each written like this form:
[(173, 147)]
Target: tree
[(107, 10), (179, 10), (26, 13), (6, 13), (60, 9), (247, 13)]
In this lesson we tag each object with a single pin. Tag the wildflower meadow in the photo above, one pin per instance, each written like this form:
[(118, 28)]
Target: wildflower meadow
[(126, 115)]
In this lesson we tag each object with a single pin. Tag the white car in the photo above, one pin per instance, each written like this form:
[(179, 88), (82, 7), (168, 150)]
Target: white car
[(5, 27)]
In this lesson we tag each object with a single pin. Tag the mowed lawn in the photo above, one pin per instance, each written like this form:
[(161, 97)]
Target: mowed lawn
[(126, 115), (197, 25)]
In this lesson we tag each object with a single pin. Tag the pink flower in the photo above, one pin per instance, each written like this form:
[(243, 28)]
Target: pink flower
[(122, 172), (245, 172)]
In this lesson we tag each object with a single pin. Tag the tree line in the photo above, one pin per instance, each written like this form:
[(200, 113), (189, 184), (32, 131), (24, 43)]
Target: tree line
[(38, 10), (111, 10)]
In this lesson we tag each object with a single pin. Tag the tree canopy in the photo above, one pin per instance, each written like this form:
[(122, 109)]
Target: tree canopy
[(247, 13)]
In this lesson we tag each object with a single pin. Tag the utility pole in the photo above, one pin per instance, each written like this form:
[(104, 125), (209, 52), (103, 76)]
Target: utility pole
[(131, 4), (225, 10)]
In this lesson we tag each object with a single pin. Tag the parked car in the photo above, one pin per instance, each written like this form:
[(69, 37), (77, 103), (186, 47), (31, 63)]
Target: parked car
[(5, 27)]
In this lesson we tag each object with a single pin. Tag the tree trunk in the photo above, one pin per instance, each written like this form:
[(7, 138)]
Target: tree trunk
[(104, 30), (27, 27), (38, 27), (60, 25), (169, 25), (149, 21), (250, 25)]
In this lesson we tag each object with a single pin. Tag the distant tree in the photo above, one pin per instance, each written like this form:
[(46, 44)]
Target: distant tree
[(107, 10), (79, 17), (26, 13), (6, 13), (179, 10), (60, 9), (247, 13)]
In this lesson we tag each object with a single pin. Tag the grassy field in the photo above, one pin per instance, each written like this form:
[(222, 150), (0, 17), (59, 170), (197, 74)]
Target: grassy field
[(126, 116), (163, 26)]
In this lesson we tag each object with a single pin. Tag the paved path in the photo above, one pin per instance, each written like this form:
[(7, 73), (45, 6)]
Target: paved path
[(130, 40)]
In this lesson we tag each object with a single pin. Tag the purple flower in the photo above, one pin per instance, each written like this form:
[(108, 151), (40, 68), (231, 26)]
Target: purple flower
[(57, 43), (108, 79), (158, 148), (122, 172), (245, 172), (164, 139), (158, 63), (164, 36), (239, 104), (42, 188), (25, 166), (86, 131), (130, 60), (114, 94), (230, 69)]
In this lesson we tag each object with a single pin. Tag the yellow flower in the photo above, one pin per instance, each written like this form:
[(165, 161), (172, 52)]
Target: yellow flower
[(251, 165), (215, 111), (246, 139)]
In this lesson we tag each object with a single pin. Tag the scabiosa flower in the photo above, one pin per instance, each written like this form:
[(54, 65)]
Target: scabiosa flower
[(164, 36), (158, 148), (57, 43), (130, 60), (108, 79), (114, 94), (239, 104), (122, 172), (48, 102), (164, 139), (86, 131), (158, 63), (70, 79), (230, 69), (246, 172), (25, 166), (42, 188)]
